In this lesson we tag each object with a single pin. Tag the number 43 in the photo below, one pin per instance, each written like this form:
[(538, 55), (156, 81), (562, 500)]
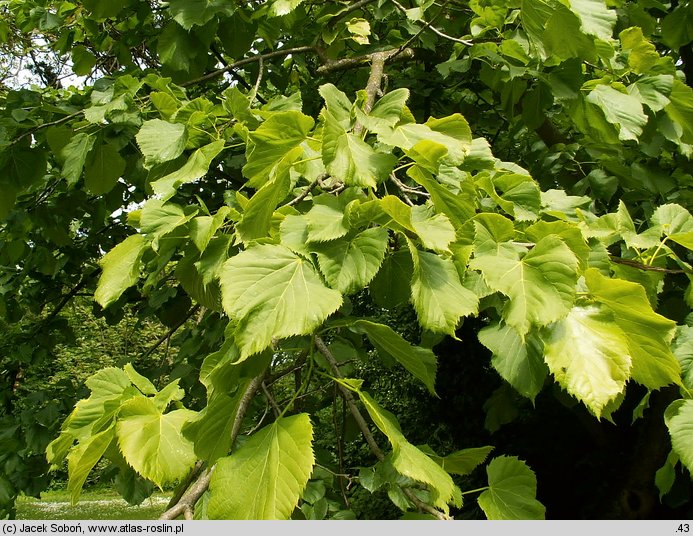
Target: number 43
[(683, 527)]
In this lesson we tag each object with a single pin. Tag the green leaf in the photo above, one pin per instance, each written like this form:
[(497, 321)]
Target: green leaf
[(435, 230), (518, 360), (326, 220), (683, 350), (159, 218), (152, 442), (386, 113), (595, 18), (520, 196), (83, 61), (350, 263), (458, 207), (653, 90), (568, 232), (642, 54), (452, 132), (350, 159), (411, 461), (620, 109), (541, 285), (392, 285), (196, 167), (421, 362), (589, 357), (512, 491), (676, 26), (211, 430), (257, 215), (103, 169), (283, 7), (82, 459), (203, 228), (680, 109), (463, 462), (279, 137), (189, 13), (648, 334), (676, 223), (438, 297), (75, 155), (120, 269), (142, 383), (273, 293), (265, 477), (161, 141), (338, 104), (679, 420)]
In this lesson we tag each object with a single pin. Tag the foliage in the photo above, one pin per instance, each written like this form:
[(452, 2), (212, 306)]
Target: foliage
[(295, 172)]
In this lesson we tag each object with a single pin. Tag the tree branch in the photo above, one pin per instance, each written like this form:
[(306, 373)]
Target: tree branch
[(246, 61), (646, 267), (300, 197), (170, 332), (188, 499), (393, 54)]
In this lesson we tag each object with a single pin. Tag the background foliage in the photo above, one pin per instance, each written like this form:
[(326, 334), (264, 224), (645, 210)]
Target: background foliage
[(381, 259)]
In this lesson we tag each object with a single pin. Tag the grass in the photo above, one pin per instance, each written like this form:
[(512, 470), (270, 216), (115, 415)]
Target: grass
[(101, 504)]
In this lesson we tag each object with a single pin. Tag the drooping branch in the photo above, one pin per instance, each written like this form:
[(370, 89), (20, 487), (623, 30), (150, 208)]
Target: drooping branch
[(170, 332), (184, 506), (365, 430)]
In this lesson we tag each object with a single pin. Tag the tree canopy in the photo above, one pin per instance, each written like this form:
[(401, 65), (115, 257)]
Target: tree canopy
[(310, 195)]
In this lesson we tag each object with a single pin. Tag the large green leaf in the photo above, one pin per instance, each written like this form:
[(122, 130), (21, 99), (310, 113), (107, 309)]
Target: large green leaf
[(103, 169), (463, 462), (452, 132), (439, 298), (279, 137), (675, 222), (458, 207), (435, 230), (588, 355), (75, 155), (273, 293), (189, 13), (421, 362), (349, 263), (411, 461), (648, 334), (679, 420), (518, 360), (512, 491), (620, 109), (152, 442), (121, 269), (387, 111), (392, 285), (596, 19), (82, 459), (158, 218), (680, 109), (683, 350), (210, 432), (350, 159), (540, 286), (161, 141), (196, 167), (257, 215), (265, 477)]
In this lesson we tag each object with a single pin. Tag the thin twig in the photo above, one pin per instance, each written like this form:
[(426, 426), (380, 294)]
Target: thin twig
[(256, 87), (170, 332), (349, 397), (46, 125), (271, 400), (428, 26), (246, 61), (646, 267), (296, 200)]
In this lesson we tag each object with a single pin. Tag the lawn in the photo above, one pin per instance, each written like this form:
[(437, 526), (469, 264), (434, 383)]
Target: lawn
[(102, 504)]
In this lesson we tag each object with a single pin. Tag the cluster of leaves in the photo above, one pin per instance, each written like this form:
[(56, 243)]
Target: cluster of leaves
[(273, 209)]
